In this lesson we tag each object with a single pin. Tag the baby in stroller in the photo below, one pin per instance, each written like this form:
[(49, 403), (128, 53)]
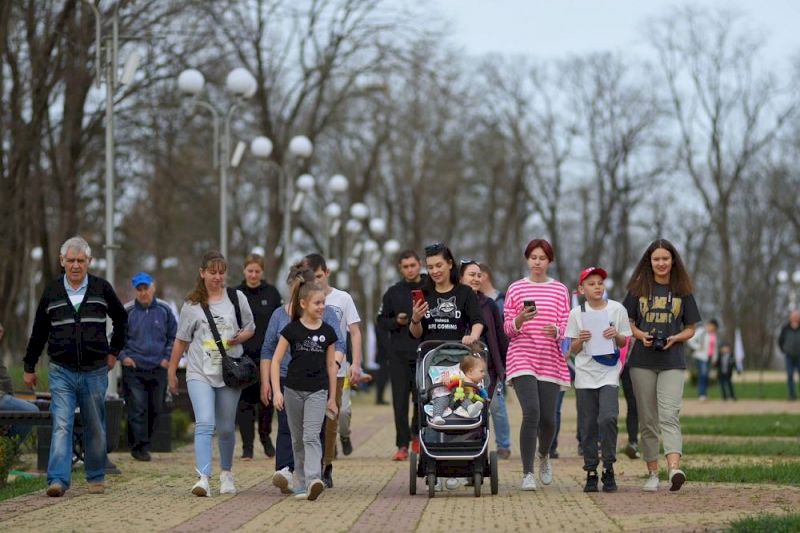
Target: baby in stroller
[(465, 387)]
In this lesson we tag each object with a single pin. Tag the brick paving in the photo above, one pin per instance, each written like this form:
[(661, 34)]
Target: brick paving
[(371, 493)]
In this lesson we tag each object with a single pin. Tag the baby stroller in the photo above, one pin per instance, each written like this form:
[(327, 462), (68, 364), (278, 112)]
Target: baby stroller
[(460, 447)]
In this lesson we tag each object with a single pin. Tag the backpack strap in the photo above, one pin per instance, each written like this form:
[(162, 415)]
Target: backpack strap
[(234, 298), (583, 307)]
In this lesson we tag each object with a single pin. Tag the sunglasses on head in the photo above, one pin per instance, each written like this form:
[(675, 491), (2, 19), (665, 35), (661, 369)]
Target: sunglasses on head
[(435, 248), (467, 261)]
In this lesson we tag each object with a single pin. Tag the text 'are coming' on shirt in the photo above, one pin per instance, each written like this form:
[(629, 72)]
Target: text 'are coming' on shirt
[(665, 314), (308, 369), (451, 314)]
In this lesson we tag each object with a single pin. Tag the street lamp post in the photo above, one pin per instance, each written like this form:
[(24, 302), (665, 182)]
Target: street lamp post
[(112, 79), (36, 276), (300, 148), (241, 84)]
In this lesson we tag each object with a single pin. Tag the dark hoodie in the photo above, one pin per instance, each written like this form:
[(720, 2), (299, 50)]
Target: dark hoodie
[(396, 300), (263, 301)]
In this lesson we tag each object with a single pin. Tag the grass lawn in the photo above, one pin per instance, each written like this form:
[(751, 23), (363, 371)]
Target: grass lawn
[(771, 390), (767, 524), (779, 473), (21, 486), (766, 448), (773, 425)]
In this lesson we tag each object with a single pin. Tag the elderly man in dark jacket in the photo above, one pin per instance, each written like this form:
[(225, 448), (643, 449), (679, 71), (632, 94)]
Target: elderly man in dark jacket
[(71, 320)]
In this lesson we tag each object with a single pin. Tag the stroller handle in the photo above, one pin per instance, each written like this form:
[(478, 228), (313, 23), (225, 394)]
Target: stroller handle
[(429, 345)]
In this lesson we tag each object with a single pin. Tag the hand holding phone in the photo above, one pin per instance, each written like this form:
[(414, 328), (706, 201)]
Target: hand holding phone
[(530, 305), (417, 296)]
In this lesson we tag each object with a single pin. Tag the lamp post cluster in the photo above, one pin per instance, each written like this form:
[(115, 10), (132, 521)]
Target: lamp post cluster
[(241, 84), (792, 283)]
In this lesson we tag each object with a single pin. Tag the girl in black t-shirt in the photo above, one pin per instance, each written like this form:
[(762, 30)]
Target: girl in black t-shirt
[(663, 315), (450, 311), (310, 385)]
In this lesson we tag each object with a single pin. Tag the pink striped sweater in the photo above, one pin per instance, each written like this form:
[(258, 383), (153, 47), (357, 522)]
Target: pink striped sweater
[(530, 352)]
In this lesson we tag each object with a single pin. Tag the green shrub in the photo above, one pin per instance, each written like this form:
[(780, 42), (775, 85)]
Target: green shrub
[(180, 425), (766, 523)]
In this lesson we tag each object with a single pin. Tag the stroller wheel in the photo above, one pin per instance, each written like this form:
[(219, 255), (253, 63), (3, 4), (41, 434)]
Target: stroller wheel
[(431, 485), (477, 479), (495, 481), (412, 480)]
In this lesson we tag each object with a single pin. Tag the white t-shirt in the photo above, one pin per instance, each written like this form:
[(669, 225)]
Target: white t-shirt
[(589, 374), (342, 304), (203, 360)]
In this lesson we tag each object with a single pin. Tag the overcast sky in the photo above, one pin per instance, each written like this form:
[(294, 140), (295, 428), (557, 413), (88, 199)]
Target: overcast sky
[(553, 28)]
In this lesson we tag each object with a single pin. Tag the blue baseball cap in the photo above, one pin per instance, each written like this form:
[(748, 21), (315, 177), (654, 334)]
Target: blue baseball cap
[(142, 278)]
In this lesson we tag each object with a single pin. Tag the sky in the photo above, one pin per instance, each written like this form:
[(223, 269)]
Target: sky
[(555, 28)]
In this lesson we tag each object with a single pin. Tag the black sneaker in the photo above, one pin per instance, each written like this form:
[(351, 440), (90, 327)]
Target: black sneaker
[(347, 446), (553, 454), (269, 449), (327, 476), (609, 483), (591, 482), (141, 455)]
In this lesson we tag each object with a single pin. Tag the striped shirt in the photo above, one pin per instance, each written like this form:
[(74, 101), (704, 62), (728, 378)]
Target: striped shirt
[(530, 351)]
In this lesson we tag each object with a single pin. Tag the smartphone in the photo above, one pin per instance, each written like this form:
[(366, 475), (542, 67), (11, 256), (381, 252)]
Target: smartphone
[(417, 296), (529, 304)]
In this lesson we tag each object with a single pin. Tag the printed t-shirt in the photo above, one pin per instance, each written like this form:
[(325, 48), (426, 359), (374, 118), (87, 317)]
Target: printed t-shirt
[(308, 369), (665, 313), (451, 314)]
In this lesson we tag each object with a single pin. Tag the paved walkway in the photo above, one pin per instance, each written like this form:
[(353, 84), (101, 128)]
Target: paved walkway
[(371, 494)]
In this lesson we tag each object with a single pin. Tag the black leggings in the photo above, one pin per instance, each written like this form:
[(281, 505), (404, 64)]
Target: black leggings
[(538, 400)]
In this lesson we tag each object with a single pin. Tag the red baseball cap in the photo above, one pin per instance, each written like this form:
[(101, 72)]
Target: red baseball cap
[(586, 272)]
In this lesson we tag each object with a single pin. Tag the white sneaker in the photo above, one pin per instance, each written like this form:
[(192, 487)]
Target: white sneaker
[(428, 409), (453, 483), (226, 485), (315, 488), (439, 484), (437, 421), (283, 480), (545, 470), (201, 488), (475, 409), (301, 495), (529, 482), (460, 411), (651, 485), (676, 479)]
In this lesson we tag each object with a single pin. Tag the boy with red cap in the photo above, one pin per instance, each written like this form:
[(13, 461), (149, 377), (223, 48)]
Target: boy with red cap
[(597, 370)]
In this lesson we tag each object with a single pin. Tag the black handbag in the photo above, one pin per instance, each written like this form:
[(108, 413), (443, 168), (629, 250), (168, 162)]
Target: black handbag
[(237, 373)]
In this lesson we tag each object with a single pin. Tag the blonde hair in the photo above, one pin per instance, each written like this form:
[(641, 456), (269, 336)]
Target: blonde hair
[(211, 259), (254, 258), (469, 362)]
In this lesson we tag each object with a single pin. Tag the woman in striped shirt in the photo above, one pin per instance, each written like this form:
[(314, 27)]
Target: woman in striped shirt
[(535, 318)]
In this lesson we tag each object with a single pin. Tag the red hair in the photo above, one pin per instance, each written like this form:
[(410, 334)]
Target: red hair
[(540, 243)]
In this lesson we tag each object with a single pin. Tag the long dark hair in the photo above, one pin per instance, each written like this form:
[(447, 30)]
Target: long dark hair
[(440, 249), (212, 258), (643, 279)]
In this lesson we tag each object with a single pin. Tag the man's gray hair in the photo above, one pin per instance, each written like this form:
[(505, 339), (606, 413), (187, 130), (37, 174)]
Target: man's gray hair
[(76, 243)]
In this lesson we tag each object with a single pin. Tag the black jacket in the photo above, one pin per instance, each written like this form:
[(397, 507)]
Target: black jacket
[(263, 300), (396, 300), (77, 339)]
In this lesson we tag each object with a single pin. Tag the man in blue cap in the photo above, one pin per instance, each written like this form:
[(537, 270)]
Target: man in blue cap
[(148, 345)]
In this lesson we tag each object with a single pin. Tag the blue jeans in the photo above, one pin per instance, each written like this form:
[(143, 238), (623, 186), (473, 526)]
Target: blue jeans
[(792, 366), (702, 377), (502, 429), (84, 389), (214, 408), (10, 403)]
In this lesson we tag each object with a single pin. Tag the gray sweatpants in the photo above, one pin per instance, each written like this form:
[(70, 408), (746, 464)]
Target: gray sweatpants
[(305, 412), (659, 396), (598, 410), (538, 400)]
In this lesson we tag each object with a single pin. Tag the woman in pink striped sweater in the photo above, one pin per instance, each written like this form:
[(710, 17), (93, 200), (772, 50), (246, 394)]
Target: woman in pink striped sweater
[(535, 318)]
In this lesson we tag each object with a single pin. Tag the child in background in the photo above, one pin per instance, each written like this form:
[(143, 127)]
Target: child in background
[(725, 366), (310, 384), (597, 378)]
